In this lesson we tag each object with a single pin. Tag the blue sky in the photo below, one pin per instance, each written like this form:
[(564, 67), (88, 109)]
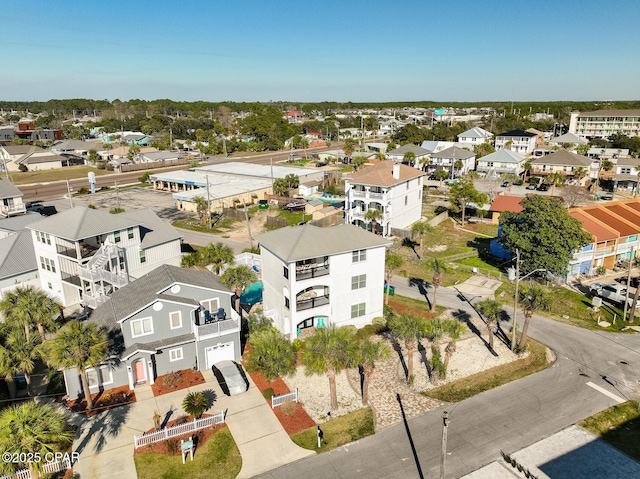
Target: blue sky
[(350, 50)]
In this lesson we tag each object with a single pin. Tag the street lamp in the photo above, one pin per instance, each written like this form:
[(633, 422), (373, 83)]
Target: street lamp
[(515, 298)]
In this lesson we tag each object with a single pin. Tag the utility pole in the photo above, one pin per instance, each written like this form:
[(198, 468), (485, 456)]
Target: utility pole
[(443, 454), (208, 203), (68, 193), (626, 299), (515, 302), (117, 194)]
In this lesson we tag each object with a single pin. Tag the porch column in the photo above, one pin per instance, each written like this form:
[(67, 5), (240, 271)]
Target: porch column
[(130, 376), (152, 378)]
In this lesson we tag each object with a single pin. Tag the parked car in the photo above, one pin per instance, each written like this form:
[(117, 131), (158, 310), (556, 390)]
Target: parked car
[(615, 293), (231, 377), (294, 206), (542, 187), (531, 186), (634, 283), (606, 197), (506, 184), (35, 206)]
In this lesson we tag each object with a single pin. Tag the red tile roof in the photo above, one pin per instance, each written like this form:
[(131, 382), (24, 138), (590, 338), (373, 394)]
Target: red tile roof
[(504, 203)]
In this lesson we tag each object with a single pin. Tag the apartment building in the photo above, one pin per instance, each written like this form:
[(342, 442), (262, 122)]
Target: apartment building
[(604, 123)]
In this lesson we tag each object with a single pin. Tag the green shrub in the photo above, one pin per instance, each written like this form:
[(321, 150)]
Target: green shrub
[(298, 344), (268, 394)]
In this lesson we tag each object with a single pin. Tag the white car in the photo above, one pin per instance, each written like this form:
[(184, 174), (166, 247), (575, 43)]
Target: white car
[(616, 293), (231, 377)]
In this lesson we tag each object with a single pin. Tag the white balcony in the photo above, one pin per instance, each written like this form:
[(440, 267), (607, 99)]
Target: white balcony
[(216, 328)]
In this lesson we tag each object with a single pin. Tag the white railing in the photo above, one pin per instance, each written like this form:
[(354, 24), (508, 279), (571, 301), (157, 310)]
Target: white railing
[(174, 431), (248, 259), (216, 328), (278, 400), (48, 468)]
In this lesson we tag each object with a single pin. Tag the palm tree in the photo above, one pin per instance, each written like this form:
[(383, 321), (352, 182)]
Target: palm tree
[(218, 255), (491, 310), (26, 307), (372, 216), (458, 165), (78, 345), (532, 298), (421, 228), (238, 278), (349, 147), (438, 266), (556, 178), (409, 158), (434, 331), (409, 328), (329, 351), (454, 329), (29, 428), (392, 261), (369, 352), (358, 161), (21, 354), (202, 207), (527, 168), (196, 403), (271, 354)]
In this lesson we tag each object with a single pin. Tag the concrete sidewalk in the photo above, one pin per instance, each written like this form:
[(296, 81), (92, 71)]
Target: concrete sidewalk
[(105, 441)]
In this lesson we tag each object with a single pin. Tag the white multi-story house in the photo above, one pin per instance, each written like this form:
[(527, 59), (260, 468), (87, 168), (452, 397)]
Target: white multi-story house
[(314, 277), (395, 190), (474, 136), (604, 123), (501, 162), (447, 159), (10, 199), (520, 141), (83, 254), (398, 155), (577, 169)]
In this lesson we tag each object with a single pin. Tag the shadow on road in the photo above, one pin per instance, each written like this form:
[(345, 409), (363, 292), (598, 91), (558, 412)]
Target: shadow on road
[(413, 447), (422, 288), (103, 426)]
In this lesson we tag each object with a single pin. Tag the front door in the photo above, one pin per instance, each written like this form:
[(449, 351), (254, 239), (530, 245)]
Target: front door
[(139, 372)]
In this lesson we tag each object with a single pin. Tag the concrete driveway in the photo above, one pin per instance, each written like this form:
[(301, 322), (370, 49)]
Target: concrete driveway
[(105, 441)]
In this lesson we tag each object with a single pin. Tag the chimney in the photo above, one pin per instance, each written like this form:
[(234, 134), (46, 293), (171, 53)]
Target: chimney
[(396, 171)]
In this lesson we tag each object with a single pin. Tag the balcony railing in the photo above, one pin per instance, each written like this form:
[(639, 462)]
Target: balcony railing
[(12, 209), (359, 193), (377, 196), (74, 279), (303, 272), (100, 274), (310, 303), (216, 328)]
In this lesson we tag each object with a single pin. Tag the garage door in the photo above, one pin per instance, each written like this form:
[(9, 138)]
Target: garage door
[(219, 352)]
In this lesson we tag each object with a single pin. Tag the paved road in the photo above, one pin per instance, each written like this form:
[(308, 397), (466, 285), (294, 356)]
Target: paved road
[(508, 418)]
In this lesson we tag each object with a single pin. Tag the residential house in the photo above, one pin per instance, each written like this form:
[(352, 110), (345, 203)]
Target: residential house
[(10, 199), (153, 156), (626, 174), (504, 203), (520, 141), (568, 138), (17, 262), (32, 157), (75, 148), (316, 277), (395, 190), (576, 168), (501, 162), (137, 139), (434, 146), (168, 320), (473, 137), (604, 123), (615, 231), (540, 135), (26, 130), (84, 254), (447, 159), (397, 155)]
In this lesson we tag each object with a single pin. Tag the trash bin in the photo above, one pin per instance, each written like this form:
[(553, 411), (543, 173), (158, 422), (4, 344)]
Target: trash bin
[(392, 290)]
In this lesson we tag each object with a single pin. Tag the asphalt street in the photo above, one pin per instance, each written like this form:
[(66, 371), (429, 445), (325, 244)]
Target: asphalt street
[(507, 418)]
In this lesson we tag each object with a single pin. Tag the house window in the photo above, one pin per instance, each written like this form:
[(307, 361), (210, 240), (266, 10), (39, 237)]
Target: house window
[(286, 303), (285, 272), (43, 237), (419, 194), (625, 171), (99, 376), (359, 255), (358, 282), (211, 305), (175, 354), (406, 200), (143, 256), (175, 319), (130, 233), (116, 236), (50, 285), (141, 327), (408, 184), (47, 264), (357, 310)]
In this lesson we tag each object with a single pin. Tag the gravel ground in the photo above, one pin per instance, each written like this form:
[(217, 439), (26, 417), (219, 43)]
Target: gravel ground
[(388, 382)]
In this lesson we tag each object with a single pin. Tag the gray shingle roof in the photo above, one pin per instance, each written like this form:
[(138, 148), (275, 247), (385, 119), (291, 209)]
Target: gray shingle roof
[(154, 346), (8, 189), (20, 222), (143, 291), (17, 255), (81, 222), (455, 153), (153, 230), (400, 151), (295, 243), (563, 157), (476, 132), (503, 156)]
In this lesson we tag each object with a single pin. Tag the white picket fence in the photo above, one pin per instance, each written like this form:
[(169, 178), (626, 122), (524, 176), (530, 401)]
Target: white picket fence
[(49, 468), (278, 400), (179, 430)]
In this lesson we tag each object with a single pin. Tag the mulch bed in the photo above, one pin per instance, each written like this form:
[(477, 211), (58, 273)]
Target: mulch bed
[(103, 401), (171, 447), (292, 423), (400, 308), (176, 381)]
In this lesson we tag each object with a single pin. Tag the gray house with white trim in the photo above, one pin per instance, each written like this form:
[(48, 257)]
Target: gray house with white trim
[(168, 320)]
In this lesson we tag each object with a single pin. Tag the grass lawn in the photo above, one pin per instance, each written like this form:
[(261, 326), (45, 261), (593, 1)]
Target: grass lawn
[(294, 217), (222, 226), (338, 431), (573, 308), (619, 426), (219, 457), (492, 378), (45, 176)]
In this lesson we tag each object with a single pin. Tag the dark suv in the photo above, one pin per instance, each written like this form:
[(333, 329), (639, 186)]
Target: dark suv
[(543, 187)]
